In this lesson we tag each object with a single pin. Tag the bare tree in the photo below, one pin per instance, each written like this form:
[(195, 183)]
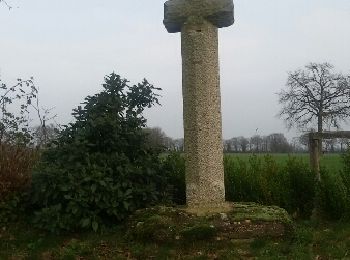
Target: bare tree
[(227, 146), (44, 134), (17, 104), (14, 125), (179, 144), (6, 4), (315, 95), (235, 144), (256, 142), (278, 143), (243, 143), (158, 139)]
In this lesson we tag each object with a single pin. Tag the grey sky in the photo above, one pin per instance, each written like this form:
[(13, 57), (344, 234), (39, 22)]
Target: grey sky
[(68, 46)]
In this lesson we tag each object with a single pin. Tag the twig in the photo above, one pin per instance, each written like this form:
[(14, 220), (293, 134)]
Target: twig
[(8, 6)]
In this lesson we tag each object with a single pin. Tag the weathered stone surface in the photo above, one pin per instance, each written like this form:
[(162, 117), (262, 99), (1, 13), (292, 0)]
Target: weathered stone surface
[(244, 221), (202, 114), (177, 12), (198, 21)]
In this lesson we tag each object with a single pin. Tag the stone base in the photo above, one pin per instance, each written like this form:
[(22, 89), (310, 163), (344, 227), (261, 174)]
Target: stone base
[(209, 209), (233, 221)]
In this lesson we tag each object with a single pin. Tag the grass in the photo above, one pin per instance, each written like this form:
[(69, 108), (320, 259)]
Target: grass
[(311, 241), (332, 162)]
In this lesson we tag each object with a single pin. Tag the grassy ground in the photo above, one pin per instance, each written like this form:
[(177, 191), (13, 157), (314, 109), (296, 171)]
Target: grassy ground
[(332, 162), (311, 241)]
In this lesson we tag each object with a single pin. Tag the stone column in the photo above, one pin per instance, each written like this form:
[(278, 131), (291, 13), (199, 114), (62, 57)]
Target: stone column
[(202, 113), (198, 20)]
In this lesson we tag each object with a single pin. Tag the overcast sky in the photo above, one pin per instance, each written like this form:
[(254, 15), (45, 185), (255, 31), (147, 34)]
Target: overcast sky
[(68, 47)]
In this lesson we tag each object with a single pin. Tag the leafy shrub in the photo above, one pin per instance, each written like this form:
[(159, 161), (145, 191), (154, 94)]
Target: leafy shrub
[(174, 168), (298, 185), (333, 195), (13, 207), (255, 181), (345, 172), (241, 181), (334, 191), (100, 170)]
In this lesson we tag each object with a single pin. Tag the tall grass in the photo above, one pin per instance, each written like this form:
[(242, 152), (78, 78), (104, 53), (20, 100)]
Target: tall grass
[(16, 163), (332, 162), (288, 183)]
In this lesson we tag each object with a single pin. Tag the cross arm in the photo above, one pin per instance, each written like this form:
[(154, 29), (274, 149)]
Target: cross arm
[(218, 12), (330, 135)]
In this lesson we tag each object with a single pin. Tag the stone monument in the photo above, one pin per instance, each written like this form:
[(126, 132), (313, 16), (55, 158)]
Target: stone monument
[(198, 21)]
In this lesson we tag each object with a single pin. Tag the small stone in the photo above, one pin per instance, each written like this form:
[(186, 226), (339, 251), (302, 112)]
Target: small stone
[(139, 224), (223, 216), (248, 221), (177, 237)]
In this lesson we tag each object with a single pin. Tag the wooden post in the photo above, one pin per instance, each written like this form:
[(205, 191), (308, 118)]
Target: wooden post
[(315, 141), (314, 151), (314, 147)]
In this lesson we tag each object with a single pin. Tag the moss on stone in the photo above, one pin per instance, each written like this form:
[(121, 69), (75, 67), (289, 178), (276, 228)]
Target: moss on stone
[(244, 221), (256, 212)]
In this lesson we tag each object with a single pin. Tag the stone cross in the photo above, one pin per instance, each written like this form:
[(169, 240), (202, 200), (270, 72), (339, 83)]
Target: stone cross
[(198, 21)]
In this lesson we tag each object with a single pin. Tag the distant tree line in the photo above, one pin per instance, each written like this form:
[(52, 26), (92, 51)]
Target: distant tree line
[(273, 143), (278, 143), (157, 138)]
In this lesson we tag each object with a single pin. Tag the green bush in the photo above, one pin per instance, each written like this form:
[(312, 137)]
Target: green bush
[(13, 207), (334, 191), (333, 196), (174, 168), (298, 184), (100, 170), (345, 172), (240, 182)]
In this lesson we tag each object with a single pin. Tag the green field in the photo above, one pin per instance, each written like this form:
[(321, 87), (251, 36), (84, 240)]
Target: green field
[(333, 162)]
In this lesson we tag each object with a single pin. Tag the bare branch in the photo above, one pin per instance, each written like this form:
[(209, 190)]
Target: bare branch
[(315, 94), (5, 2)]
